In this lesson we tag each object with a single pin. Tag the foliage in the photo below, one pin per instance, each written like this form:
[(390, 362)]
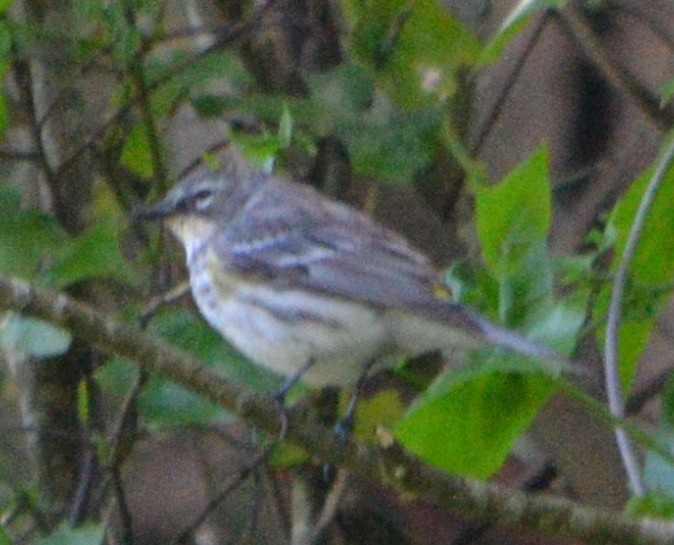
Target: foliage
[(514, 23), (651, 269), (468, 421), (392, 103), (66, 535)]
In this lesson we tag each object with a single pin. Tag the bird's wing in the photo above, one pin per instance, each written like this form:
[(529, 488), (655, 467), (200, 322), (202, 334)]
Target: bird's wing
[(328, 259), (307, 240)]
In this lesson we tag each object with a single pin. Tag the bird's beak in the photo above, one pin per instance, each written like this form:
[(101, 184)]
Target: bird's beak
[(158, 210)]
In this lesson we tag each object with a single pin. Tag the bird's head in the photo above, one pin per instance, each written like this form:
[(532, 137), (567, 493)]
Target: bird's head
[(196, 207)]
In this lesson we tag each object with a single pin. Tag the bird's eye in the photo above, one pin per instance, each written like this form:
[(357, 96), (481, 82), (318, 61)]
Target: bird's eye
[(202, 199)]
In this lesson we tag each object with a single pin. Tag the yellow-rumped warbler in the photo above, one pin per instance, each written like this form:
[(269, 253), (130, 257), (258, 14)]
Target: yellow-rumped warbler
[(297, 281)]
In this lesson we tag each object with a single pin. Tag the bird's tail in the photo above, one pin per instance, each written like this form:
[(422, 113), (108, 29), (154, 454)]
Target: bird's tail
[(512, 341)]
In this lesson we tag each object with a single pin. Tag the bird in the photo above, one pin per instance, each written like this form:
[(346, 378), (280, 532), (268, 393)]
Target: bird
[(307, 286)]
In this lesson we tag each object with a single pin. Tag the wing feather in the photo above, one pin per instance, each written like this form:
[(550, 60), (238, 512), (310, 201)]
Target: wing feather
[(307, 240)]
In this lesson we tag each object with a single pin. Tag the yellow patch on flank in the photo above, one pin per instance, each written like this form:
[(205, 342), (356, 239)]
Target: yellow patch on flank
[(442, 292)]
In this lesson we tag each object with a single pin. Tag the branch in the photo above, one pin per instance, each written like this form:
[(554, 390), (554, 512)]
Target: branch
[(390, 465), (617, 75), (228, 34), (505, 77), (149, 122), (613, 390)]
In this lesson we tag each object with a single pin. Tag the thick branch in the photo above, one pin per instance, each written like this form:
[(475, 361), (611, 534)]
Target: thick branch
[(621, 79), (484, 502)]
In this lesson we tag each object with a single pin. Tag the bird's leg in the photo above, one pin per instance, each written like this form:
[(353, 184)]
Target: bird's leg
[(162, 299), (345, 426), (280, 396), (282, 392)]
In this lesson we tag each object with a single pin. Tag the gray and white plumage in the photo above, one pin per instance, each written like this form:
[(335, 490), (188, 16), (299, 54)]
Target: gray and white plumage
[(289, 276)]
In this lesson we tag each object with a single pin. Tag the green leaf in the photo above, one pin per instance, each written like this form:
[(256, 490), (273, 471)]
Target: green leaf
[(526, 284), (344, 103), (261, 150), (385, 408), (470, 418), (136, 154), (199, 75), (87, 534), (659, 474), (127, 40), (467, 422), (415, 48), (182, 77), (84, 402), (348, 87), (116, 376), (94, 254), (667, 92), (517, 20), (5, 539), (653, 260), (209, 106), (5, 42), (557, 323), (658, 504), (165, 404), (514, 215), (32, 337), (513, 219), (403, 145), (3, 109), (651, 270), (26, 237), (287, 454), (87, 11), (107, 207)]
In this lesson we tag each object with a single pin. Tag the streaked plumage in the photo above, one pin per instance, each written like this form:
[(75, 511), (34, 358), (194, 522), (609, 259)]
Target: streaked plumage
[(289, 276)]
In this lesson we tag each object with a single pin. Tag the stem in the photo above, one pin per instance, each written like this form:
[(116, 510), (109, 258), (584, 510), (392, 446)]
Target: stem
[(613, 389)]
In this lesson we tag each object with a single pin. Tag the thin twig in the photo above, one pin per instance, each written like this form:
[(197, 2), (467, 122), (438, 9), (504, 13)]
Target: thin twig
[(328, 512), (644, 13), (161, 300), (507, 82), (118, 453), (230, 34), (137, 71), (86, 474), (613, 389), (617, 75), (126, 520), (195, 31), (235, 482), (24, 78), (17, 155)]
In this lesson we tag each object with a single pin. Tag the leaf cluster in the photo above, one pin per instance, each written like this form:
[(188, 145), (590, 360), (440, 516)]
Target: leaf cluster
[(392, 102)]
